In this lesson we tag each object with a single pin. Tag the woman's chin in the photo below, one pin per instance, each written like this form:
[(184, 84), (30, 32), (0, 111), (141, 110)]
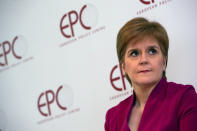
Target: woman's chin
[(146, 82)]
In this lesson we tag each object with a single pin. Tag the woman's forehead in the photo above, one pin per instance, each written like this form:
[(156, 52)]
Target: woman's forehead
[(143, 42)]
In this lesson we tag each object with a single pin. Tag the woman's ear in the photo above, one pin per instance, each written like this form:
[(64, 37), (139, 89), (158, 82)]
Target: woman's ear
[(122, 64), (165, 62)]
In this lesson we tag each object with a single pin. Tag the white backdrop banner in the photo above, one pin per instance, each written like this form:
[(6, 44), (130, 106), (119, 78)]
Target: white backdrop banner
[(58, 64)]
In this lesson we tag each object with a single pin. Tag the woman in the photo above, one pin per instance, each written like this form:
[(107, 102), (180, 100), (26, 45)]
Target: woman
[(156, 105)]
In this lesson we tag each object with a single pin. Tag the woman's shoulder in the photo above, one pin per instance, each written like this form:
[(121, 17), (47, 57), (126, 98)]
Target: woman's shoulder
[(180, 88), (185, 95), (116, 116), (121, 106), (186, 98)]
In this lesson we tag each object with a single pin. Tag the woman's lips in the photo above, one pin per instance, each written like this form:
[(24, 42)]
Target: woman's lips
[(144, 71)]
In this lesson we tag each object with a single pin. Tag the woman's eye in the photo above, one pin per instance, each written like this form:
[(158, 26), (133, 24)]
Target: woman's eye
[(134, 53), (152, 51)]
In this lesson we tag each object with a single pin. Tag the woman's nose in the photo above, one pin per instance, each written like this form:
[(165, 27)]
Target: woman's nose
[(143, 59)]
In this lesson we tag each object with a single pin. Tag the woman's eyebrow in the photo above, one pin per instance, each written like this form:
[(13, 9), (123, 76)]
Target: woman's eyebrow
[(132, 49), (153, 46)]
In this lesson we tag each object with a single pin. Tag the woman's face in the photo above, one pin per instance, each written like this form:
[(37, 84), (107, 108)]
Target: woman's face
[(144, 62)]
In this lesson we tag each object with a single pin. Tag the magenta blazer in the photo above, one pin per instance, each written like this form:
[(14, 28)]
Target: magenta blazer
[(170, 107)]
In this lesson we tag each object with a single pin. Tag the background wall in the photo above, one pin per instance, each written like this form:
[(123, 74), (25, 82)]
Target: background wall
[(58, 64)]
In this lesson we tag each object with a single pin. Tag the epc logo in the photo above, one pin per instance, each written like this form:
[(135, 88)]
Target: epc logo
[(117, 78), (87, 17), (147, 2), (63, 98), (17, 48)]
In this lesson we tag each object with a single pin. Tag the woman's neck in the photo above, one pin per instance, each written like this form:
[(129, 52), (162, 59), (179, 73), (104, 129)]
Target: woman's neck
[(142, 93)]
